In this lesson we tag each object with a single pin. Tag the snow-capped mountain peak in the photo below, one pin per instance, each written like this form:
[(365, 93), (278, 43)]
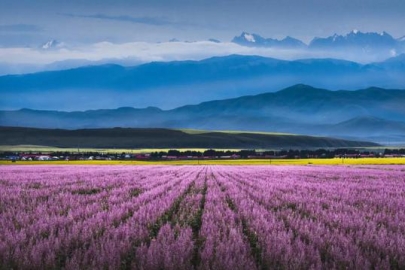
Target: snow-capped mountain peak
[(254, 40), (249, 37), (52, 44)]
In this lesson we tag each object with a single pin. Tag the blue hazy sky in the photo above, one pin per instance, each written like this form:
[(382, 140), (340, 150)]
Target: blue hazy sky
[(29, 22)]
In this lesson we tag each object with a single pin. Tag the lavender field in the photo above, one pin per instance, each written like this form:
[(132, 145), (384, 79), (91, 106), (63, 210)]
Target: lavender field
[(200, 217)]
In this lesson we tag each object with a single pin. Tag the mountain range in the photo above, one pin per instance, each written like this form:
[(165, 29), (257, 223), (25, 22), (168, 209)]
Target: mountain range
[(354, 45), (353, 39), (365, 41), (172, 84), (369, 114), (369, 42)]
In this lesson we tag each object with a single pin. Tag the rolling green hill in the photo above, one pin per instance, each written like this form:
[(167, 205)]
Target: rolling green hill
[(164, 138)]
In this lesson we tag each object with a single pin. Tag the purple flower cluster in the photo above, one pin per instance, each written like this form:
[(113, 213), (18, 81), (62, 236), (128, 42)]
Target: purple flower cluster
[(196, 217)]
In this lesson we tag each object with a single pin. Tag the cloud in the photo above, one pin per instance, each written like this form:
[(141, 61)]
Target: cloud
[(20, 28), (134, 53), (124, 18), (139, 52)]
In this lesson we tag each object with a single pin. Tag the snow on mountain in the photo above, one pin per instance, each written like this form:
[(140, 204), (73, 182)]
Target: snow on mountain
[(249, 37), (52, 44)]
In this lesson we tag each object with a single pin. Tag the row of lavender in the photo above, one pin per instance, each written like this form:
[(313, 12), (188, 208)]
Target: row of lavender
[(194, 217), (67, 217), (333, 218)]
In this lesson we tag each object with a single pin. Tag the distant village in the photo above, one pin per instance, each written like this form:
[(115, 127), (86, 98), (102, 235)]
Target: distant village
[(199, 155)]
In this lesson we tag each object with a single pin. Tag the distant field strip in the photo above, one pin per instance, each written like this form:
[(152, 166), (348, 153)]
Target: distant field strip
[(202, 217)]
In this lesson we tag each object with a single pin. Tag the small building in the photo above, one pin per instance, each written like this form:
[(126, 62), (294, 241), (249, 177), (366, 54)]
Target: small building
[(43, 158)]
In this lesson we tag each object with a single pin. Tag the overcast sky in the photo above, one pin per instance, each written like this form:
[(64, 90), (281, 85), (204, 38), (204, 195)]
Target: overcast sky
[(31, 22)]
